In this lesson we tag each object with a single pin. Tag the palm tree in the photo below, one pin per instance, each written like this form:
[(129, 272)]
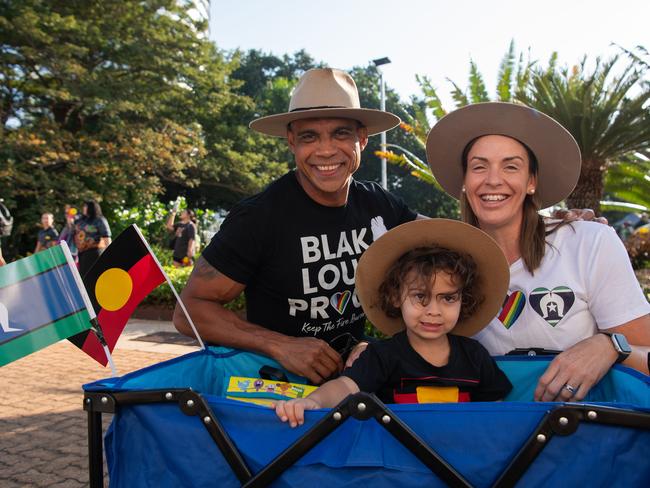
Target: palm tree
[(605, 109), (514, 75), (629, 183), (606, 112)]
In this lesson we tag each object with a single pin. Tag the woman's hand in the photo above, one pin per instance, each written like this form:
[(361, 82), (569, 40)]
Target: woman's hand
[(575, 371)]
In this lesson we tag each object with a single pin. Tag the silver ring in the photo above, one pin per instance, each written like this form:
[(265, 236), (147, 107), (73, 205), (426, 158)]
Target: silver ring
[(570, 388)]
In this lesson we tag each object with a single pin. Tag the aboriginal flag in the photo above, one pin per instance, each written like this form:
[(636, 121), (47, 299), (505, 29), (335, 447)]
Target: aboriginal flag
[(125, 273)]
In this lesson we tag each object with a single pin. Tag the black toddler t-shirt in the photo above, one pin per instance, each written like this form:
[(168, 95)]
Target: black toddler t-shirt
[(395, 372), (298, 258)]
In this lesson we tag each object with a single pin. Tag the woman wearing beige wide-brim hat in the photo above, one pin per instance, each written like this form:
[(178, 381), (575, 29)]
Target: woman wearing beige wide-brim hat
[(572, 287)]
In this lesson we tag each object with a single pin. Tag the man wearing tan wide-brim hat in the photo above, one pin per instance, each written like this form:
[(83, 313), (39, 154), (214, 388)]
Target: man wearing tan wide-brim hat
[(293, 248)]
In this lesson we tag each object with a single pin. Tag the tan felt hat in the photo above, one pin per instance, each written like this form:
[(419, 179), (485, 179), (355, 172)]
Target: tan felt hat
[(493, 270), (325, 92), (557, 153)]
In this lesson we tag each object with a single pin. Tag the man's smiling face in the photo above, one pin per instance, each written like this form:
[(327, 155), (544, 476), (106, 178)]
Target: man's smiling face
[(327, 152)]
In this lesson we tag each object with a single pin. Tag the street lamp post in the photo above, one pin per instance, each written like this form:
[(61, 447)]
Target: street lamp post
[(382, 104)]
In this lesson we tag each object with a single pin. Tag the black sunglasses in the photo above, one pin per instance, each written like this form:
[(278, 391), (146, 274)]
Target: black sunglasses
[(344, 343)]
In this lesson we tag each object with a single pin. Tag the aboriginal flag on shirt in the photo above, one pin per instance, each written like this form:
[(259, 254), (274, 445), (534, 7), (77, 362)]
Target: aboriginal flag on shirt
[(122, 276)]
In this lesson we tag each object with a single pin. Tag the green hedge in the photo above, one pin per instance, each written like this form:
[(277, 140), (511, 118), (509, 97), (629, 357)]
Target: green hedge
[(164, 297)]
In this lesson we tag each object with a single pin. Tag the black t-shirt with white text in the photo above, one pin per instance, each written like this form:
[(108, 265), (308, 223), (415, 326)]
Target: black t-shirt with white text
[(298, 258)]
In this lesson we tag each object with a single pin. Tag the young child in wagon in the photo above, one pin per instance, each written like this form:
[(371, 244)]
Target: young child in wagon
[(430, 284)]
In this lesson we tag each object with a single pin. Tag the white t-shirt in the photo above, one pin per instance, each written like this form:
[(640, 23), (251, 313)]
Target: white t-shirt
[(585, 283)]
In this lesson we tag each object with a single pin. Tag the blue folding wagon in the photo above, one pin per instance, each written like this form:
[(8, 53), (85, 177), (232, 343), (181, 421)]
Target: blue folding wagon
[(173, 426)]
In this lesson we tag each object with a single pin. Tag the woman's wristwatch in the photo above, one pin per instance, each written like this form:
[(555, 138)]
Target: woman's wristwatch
[(620, 345)]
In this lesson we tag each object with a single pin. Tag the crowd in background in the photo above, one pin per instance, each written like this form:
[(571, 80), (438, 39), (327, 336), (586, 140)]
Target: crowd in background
[(87, 233)]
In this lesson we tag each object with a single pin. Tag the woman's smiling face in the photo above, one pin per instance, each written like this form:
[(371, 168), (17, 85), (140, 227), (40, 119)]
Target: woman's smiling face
[(497, 181)]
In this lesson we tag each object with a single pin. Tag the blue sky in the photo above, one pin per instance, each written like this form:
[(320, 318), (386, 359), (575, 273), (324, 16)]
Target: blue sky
[(430, 37)]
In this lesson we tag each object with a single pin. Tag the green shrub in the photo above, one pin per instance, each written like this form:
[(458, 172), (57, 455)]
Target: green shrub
[(638, 248), (164, 255), (164, 297), (371, 331), (151, 220)]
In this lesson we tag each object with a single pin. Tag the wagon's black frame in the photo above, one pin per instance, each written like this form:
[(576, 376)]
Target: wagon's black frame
[(562, 420)]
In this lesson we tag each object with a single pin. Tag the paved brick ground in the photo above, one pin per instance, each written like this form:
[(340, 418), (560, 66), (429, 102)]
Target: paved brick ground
[(43, 428)]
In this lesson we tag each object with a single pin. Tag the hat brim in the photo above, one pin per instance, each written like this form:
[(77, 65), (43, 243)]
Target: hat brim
[(493, 270), (557, 152), (376, 121)]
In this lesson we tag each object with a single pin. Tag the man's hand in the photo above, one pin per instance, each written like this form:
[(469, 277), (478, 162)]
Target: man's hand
[(309, 357), (293, 411), (578, 214), (575, 371)]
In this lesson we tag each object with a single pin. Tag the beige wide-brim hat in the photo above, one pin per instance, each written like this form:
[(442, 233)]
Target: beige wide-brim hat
[(325, 92), (557, 153), (493, 271)]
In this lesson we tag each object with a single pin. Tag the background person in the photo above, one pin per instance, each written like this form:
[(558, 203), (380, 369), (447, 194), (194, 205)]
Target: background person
[(67, 233), (293, 248), (571, 285), (184, 236), (47, 235), (92, 235), (6, 225), (439, 280)]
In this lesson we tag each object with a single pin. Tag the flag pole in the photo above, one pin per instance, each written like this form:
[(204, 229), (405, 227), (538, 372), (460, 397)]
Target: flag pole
[(171, 285), (100, 335), (95, 327), (187, 315)]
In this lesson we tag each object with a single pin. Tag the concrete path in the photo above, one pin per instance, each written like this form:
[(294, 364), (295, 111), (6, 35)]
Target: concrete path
[(43, 428)]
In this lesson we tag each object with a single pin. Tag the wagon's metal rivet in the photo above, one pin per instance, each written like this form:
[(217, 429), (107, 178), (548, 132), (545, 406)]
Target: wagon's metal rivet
[(190, 403), (541, 438), (591, 415), (385, 419), (207, 419), (104, 400), (361, 407), (563, 420), (337, 416), (169, 396)]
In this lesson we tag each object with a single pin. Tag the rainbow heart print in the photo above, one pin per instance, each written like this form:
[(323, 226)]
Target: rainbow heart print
[(512, 308), (340, 300)]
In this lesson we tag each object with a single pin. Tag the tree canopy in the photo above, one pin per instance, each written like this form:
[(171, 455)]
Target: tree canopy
[(128, 102), (116, 100)]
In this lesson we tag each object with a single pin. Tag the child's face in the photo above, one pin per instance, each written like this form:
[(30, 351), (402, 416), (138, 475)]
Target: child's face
[(46, 221), (430, 313)]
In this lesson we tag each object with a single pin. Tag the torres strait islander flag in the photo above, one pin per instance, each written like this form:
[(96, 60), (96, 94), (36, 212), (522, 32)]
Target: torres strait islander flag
[(42, 300), (125, 273)]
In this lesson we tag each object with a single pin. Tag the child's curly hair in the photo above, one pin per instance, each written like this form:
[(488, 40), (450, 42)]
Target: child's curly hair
[(425, 262)]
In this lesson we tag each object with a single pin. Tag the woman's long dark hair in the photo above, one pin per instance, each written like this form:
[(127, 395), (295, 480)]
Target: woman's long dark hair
[(93, 210)]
